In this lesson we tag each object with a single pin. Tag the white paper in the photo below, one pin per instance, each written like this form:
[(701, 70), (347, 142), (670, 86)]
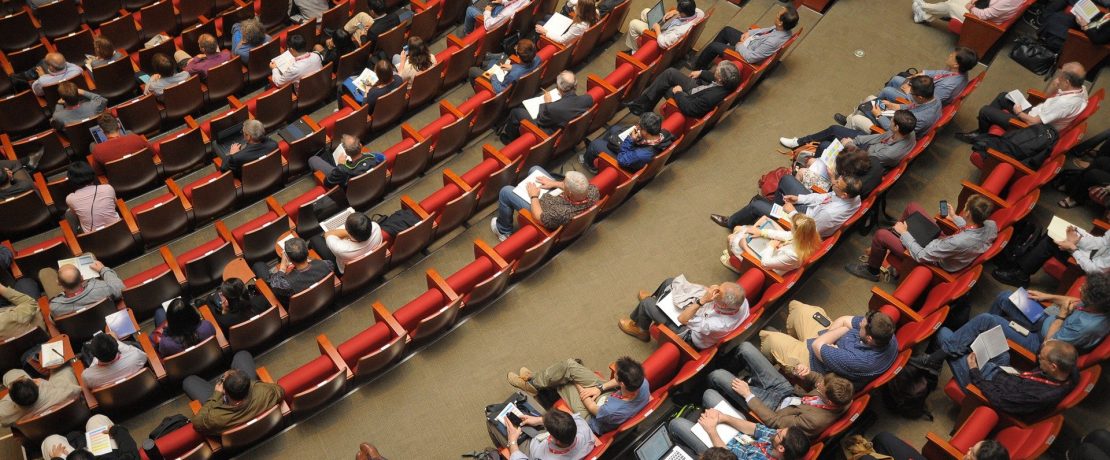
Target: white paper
[(495, 71), (1085, 9), (283, 61), (52, 353), (989, 344), (725, 431), (120, 324), (365, 80), (831, 152), (337, 221), (83, 263), (521, 189), (1019, 100), (626, 133), (99, 441), (338, 153), (778, 212), (557, 25), (1058, 229), (1009, 370), (533, 104), (666, 303)]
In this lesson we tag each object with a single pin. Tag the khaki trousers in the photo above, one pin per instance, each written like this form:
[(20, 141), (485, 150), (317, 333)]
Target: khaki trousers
[(789, 349), (562, 378)]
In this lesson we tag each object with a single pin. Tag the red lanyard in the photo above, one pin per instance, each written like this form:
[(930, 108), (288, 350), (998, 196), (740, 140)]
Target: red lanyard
[(1032, 375), (944, 75), (816, 401)]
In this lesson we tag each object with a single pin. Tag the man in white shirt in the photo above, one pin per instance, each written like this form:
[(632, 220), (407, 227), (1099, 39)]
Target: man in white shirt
[(1091, 254), (670, 30), (997, 11), (358, 237), (305, 62), (707, 313), (1066, 100), (568, 437), (829, 210), (112, 361), (494, 13)]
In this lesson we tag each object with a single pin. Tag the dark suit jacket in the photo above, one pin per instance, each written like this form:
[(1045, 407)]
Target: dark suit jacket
[(381, 26), (697, 105), (247, 154), (372, 94), (555, 115)]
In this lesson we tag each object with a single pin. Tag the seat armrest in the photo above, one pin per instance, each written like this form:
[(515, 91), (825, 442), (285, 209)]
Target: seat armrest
[(207, 315), (381, 314), (667, 335), (272, 299), (128, 218), (436, 282), (879, 297), (481, 249), (408, 203), (152, 356), (937, 448)]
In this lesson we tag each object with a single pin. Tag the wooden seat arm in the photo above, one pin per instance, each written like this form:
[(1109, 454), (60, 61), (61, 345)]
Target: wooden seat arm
[(264, 375), (408, 132), (383, 315), (44, 310), (207, 315), (152, 356), (938, 448), (195, 406), (667, 335), (70, 237), (40, 186), (1016, 349), (530, 127), (524, 217), (1099, 227), (452, 178), (446, 107), (489, 151), (171, 262), (1018, 123), (86, 392), (969, 188), (272, 299), (176, 191), (625, 58), (13, 268), (481, 249), (408, 203), (879, 297), (128, 218), (482, 83), (274, 206), (350, 102), (1003, 158), (329, 350), (234, 102), (436, 281), (593, 81), (311, 123), (751, 260), (226, 235), (608, 160), (1035, 96)]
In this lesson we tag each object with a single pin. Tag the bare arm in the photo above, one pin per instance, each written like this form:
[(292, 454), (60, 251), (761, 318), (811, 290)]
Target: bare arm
[(828, 338)]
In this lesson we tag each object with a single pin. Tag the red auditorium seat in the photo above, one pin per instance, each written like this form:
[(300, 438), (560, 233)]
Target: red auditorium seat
[(163, 217), (317, 382), (257, 236), (375, 347), (311, 300), (1021, 443), (81, 325), (361, 271), (144, 292), (203, 265)]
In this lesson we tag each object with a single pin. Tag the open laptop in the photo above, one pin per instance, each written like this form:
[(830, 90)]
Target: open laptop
[(98, 135), (656, 13), (229, 136), (659, 446), (337, 221)]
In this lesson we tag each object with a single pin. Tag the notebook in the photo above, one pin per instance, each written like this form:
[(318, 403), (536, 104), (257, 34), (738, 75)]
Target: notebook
[(1032, 309), (656, 13), (337, 221), (120, 324), (557, 25), (989, 344), (922, 229), (666, 303), (762, 246), (1085, 9), (521, 189), (495, 71), (533, 104), (1058, 229), (828, 156), (726, 432), (52, 354), (83, 263), (628, 132)]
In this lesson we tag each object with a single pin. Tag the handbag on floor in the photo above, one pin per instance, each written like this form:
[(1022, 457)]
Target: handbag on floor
[(1034, 55)]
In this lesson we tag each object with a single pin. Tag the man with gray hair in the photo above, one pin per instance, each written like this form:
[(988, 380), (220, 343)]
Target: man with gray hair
[(705, 314), (351, 161), (1066, 100), (695, 94), (255, 145), (53, 70), (552, 202), (553, 113)]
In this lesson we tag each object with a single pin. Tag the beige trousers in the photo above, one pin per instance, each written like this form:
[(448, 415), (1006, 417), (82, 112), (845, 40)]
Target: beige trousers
[(562, 377), (789, 349), (636, 27)]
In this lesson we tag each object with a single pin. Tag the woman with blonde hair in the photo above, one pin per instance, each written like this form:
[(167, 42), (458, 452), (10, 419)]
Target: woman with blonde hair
[(778, 250)]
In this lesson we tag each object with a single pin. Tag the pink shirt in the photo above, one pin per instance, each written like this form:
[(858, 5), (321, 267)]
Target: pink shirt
[(999, 11), (100, 211)]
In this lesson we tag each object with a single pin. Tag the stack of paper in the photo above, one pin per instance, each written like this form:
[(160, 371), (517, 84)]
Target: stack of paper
[(726, 432), (533, 104), (51, 354), (779, 213), (1019, 100), (557, 25), (628, 132), (521, 189), (99, 441), (495, 71), (120, 324), (1058, 229)]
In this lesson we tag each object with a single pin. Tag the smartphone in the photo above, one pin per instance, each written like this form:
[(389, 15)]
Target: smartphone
[(1019, 328), (514, 419), (944, 208), (821, 319)]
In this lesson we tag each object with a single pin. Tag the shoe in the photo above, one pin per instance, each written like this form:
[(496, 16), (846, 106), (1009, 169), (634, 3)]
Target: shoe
[(864, 258), (840, 118), (367, 451), (640, 296), (862, 271), (526, 374), (919, 15), (789, 142), (628, 327), (1011, 276), (888, 274), (719, 220), (923, 362), (634, 108), (493, 226), (517, 381), (33, 160), (582, 158), (726, 261), (968, 137)]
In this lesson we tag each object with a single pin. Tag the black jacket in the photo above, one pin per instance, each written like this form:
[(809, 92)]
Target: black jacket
[(373, 93), (553, 116), (247, 154), (697, 105), (382, 25), (344, 172)]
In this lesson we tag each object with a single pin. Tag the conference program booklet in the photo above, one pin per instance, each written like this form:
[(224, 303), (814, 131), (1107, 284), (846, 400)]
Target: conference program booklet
[(1019, 100), (1032, 309), (99, 441), (533, 104), (284, 61), (989, 344), (521, 189), (557, 25), (1085, 9), (1058, 229), (83, 263), (365, 80)]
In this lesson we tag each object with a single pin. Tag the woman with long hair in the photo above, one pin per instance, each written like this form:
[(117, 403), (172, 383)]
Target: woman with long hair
[(179, 327), (585, 16), (778, 250), (415, 58)]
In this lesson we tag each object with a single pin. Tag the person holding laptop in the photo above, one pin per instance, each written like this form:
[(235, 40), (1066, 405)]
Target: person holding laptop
[(669, 28), (952, 253), (358, 237)]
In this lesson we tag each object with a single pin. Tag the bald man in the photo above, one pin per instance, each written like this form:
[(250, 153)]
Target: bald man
[(1067, 97), (54, 70), (77, 292)]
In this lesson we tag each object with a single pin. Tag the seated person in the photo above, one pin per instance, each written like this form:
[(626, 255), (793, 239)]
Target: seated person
[(306, 62), (675, 25), (210, 56), (15, 179), (52, 70), (766, 443), (387, 82), (952, 253), (309, 9), (76, 104), (996, 11), (353, 162), (1089, 251), (164, 76), (603, 7), (112, 360), (694, 95), (604, 404), (246, 35), (754, 45), (414, 58), (816, 403), (1056, 20), (73, 446), (888, 444), (495, 13), (1080, 322), (1067, 97), (365, 28), (358, 237), (20, 312), (76, 292), (552, 211), (93, 204), (925, 108), (789, 249), (552, 115), (118, 145), (236, 397), (234, 302), (585, 16), (947, 83), (1024, 394), (830, 209), (336, 43), (890, 146), (709, 313), (295, 272), (858, 348), (645, 140), (525, 51), (103, 53), (27, 396), (256, 144), (179, 328), (568, 436)]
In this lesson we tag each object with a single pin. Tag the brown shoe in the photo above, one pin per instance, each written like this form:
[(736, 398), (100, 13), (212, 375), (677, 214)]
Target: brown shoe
[(526, 374), (629, 327), (521, 384), (643, 295), (367, 451)]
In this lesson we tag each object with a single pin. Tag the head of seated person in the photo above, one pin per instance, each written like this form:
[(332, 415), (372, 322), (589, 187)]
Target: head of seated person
[(80, 454), (1095, 294), (526, 51), (384, 70), (921, 88), (55, 62), (67, 91), (846, 187), (853, 162), (377, 8), (838, 390), (352, 146), (788, 18), (237, 385), (731, 299), (104, 347), (687, 8), (630, 374), (103, 49), (904, 122), (727, 75), (252, 31), (988, 449), (24, 392), (566, 82), (358, 227), (182, 323), (651, 125), (963, 59), (253, 131), (1057, 359), (80, 175), (208, 45), (1070, 77), (109, 124), (70, 279), (586, 11), (577, 186), (804, 236), (163, 65), (876, 330), (717, 453), (561, 427), (977, 210), (418, 54), (297, 251), (789, 444), (232, 296)]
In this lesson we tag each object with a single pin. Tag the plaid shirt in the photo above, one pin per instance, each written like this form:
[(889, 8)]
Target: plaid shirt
[(758, 449), (853, 360)]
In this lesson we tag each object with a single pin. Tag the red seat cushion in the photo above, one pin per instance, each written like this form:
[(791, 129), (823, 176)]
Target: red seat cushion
[(306, 376), (514, 246), (146, 276), (752, 281), (976, 428), (200, 251), (252, 102), (40, 246), (179, 441), (188, 189), (294, 205), (328, 123), (436, 201), (473, 273), (661, 366), (364, 342), (254, 224), (419, 308), (158, 201)]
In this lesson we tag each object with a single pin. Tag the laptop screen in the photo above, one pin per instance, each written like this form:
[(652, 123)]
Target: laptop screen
[(655, 15), (655, 446)]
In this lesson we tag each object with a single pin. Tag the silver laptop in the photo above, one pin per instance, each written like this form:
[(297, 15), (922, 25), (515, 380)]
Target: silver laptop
[(337, 221), (98, 135), (656, 13), (658, 446)]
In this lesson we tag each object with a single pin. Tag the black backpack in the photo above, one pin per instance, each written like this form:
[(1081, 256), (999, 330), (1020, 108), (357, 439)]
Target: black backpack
[(907, 392), (168, 425), (1030, 145), (1027, 235)]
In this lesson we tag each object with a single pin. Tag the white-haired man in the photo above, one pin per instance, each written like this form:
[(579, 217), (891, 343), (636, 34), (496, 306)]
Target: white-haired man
[(552, 114), (707, 313), (552, 210)]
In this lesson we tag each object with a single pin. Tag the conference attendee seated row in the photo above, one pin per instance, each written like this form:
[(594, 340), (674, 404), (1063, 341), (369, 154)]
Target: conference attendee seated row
[(15, 178), (358, 237), (550, 210), (568, 436), (1066, 99), (235, 398), (754, 45), (112, 360), (552, 114), (255, 145), (91, 204), (1091, 253), (210, 56), (754, 441), (166, 74), (74, 445), (783, 250), (872, 111), (634, 150), (995, 11), (178, 327), (388, 80), (604, 404), (70, 292), (75, 105), (295, 271), (365, 28), (948, 83), (494, 14), (707, 313), (670, 30), (235, 302), (525, 51), (889, 147), (414, 58), (19, 312), (306, 62), (118, 144), (829, 210), (974, 235), (246, 35), (585, 16), (354, 161), (29, 396), (52, 70), (695, 95)]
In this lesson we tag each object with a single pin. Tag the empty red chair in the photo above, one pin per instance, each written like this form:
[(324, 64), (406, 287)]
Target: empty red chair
[(316, 382), (17, 31), (163, 217), (273, 107), (21, 113), (203, 265), (1021, 443), (182, 151), (123, 32), (58, 18), (145, 291), (257, 236)]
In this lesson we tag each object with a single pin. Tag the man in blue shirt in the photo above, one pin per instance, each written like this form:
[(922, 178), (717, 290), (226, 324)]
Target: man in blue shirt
[(754, 441), (638, 146), (858, 348), (604, 404), (924, 106), (947, 83)]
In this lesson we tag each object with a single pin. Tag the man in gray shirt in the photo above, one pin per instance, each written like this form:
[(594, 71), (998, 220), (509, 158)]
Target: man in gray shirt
[(568, 437), (952, 253), (54, 69), (77, 292), (755, 45), (76, 104), (923, 105), (888, 147), (113, 360), (947, 83)]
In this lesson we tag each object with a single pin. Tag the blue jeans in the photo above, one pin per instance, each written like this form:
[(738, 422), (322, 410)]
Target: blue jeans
[(893, 90), (508, 203), (601, 144), (472, 12), (1006, 309), (159, 316), (960, 370), (789, 185), (766, 383)]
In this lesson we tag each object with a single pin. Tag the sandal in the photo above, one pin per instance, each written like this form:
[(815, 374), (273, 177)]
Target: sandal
[(1067, 203)]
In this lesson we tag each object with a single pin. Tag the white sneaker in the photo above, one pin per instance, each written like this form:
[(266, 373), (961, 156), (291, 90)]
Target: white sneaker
[(789, 142), (493, 226), (582, 158), (919, 15)]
